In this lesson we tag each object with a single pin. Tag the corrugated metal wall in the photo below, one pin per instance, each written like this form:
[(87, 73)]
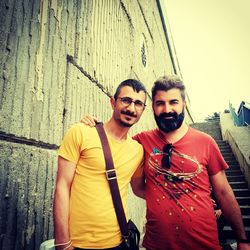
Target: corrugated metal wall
[(59, 61)]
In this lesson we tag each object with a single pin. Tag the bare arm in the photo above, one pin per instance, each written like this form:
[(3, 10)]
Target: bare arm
[(138, 185), (229, 206), (65, 175)]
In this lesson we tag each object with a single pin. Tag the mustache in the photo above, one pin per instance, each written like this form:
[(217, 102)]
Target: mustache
[(170, 114), (127, 112)]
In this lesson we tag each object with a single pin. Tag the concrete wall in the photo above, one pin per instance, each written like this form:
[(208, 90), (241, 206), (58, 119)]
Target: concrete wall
[(239, 140), (210, 127), (60, 60)]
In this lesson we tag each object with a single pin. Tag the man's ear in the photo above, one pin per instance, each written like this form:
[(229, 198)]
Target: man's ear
[(112, 102), (185, 104)]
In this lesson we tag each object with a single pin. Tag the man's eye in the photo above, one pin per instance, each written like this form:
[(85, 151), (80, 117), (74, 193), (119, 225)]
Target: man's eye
[(159, 103), (126, 100), (139, 103), (174, 102)]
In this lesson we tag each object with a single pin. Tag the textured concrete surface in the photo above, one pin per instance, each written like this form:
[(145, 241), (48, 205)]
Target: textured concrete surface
[(26, 188)]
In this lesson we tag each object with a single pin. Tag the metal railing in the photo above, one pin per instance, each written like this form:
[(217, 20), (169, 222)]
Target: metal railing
[(242, 117)]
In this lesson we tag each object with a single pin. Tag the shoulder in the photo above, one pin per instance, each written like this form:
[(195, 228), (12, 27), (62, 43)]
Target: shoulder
[(202, 139), (80, 127), (145, 135), (134, 143), (197, 134), (79, 131)]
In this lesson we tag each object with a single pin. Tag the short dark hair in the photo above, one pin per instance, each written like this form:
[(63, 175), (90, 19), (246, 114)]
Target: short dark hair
[(134, 84), (166, 83)]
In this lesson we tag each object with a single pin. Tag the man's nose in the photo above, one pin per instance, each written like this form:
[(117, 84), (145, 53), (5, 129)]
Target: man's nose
[(167, 108), (131, 107)]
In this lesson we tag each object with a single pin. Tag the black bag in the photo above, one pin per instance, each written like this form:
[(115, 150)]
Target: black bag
[(129, 231), (133, 239)]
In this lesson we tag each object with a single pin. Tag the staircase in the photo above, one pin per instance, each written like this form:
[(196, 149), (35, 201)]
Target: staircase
[(239, 186), (234, 176)]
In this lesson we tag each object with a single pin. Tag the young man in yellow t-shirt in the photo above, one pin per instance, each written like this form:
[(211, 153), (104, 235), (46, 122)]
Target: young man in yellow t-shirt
[(84, 215)]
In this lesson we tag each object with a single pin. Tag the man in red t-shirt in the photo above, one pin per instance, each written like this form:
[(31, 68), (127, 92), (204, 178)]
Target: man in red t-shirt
[(181, 164), (180, 213)]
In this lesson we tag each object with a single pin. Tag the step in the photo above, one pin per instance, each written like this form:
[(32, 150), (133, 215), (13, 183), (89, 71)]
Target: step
[(228, 232), (229, 158), (224, 146), (245, 209), (233, 167), (236, 178), (221, 142), (246, 220), (242, 192), (243, 200), (233, 172), (232, 163), (225, 149), (239, 184), (227, 153)]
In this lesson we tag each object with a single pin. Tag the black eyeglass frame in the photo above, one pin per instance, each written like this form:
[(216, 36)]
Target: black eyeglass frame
[(126, 101)]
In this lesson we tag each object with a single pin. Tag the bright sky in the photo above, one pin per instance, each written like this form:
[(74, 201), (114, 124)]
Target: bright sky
[(212, 42)]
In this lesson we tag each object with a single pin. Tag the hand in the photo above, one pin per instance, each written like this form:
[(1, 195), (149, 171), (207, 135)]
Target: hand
[(217, 213), (89, 120), (214, 203)]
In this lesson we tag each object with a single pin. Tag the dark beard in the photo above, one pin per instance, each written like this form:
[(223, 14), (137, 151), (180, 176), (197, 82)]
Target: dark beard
[(168, 125), (124, 124)]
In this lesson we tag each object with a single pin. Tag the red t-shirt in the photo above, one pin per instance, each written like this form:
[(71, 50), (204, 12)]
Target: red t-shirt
[(180, 213)]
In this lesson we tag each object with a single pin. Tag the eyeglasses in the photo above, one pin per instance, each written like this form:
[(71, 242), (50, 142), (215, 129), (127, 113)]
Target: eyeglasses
[(126, 101), (166, 159)]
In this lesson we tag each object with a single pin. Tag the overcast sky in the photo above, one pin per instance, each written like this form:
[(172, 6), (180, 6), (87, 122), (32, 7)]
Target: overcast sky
[(212, 41)]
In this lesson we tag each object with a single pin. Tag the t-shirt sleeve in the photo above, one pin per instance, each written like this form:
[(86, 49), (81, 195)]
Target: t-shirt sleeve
[(137, 138), (70, 148), (216, 161), (139, 171)]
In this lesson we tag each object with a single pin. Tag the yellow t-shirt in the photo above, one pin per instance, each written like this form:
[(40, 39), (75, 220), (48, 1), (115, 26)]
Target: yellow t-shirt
[(92, 219)]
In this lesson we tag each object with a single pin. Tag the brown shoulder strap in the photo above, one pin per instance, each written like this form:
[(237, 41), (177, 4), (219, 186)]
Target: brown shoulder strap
[(112, 180)]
